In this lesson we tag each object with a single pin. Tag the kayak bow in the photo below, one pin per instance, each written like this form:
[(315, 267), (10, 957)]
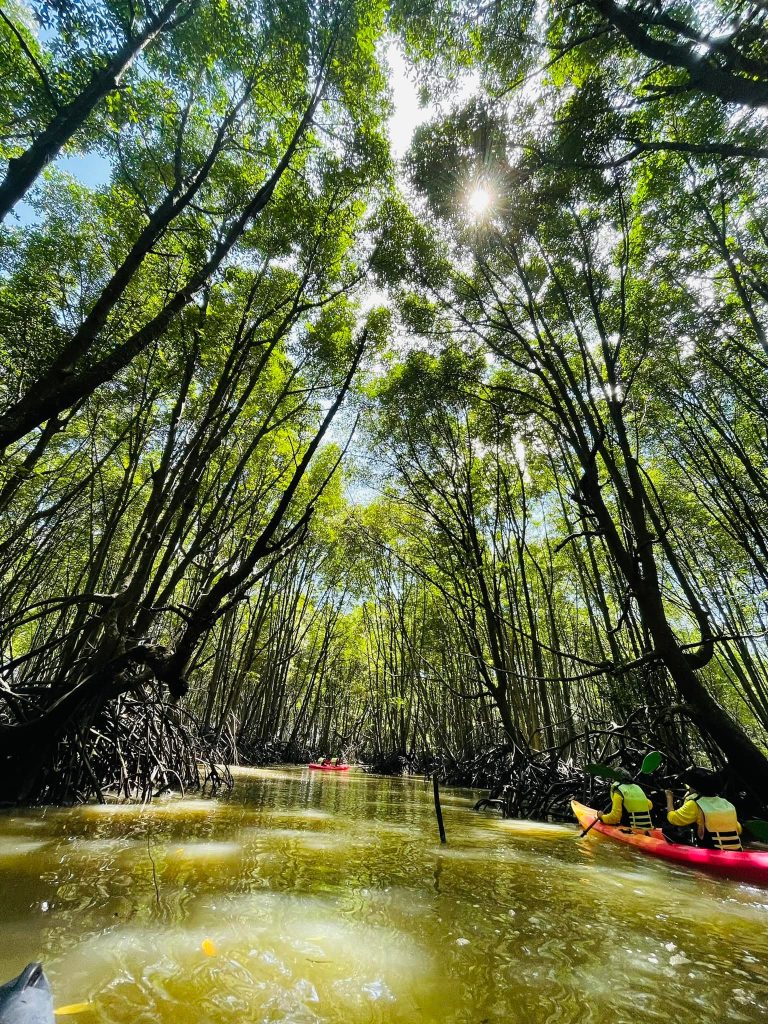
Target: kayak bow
[(749, 866)]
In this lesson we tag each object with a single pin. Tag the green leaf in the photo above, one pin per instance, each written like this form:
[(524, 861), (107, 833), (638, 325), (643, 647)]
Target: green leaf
[(602, 771)]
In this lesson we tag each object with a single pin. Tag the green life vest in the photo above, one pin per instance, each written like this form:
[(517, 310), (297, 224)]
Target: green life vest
[(720, 821), (635, 804)]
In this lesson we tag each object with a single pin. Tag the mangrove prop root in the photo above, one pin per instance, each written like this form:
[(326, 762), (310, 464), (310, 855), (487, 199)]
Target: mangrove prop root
[(133, 748), (541, 784)]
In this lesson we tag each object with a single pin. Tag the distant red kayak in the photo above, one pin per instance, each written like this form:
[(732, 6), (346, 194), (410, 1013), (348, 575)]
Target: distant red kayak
[(748, 866), (330, 767)]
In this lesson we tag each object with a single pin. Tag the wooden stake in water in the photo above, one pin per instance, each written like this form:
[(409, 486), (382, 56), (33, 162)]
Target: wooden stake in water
[(438, 809)]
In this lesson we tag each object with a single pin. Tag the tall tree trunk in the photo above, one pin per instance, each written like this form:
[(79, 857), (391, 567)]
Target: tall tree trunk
[(23, 170)]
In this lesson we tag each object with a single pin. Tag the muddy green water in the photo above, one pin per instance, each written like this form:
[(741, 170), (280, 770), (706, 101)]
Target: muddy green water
[(305, 897)]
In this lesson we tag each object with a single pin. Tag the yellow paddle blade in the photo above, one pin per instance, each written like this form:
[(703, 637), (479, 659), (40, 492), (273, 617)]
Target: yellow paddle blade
[(208, 947), (68, 1011)]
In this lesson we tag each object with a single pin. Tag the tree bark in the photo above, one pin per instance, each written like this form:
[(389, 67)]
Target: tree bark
[(23, 170), (55, 394)]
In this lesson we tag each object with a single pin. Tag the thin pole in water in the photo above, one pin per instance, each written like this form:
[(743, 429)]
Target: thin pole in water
[(438, 808)]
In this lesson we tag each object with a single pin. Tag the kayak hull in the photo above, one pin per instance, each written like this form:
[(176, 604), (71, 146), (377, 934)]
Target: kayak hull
[(330, 767), (748, 866)]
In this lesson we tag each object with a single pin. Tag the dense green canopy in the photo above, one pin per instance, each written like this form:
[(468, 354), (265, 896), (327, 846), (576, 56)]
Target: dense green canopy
[(393, 459)]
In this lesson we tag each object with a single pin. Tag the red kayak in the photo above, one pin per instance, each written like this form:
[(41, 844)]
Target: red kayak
[(330, 767), (748, 866)]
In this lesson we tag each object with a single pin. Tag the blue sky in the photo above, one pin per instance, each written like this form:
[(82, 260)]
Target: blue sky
[(91, 169)]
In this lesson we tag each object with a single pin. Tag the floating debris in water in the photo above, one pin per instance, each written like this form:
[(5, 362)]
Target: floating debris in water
[(72, 1009)]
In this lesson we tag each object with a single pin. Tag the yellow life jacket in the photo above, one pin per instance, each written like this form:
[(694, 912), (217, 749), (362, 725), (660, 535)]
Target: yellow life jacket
[(720, 822), (635, 804)]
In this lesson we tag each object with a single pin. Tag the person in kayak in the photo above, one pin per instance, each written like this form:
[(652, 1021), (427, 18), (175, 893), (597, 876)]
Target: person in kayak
[(629, 806), (713, 818)]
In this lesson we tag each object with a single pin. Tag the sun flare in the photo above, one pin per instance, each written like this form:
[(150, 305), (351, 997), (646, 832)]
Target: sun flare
[(479, 202)]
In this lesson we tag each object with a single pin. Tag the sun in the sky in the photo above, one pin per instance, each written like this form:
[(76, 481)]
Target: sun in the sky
[(479, 201)]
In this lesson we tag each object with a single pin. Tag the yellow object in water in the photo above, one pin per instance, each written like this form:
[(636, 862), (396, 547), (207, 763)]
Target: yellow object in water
[(208, 947), (67, 1011)]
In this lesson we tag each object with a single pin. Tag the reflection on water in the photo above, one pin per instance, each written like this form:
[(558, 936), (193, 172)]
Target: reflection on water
[(309, 898)]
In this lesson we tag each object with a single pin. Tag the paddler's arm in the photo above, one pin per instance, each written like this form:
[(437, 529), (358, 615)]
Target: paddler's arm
[(684, 816), (613, 817)]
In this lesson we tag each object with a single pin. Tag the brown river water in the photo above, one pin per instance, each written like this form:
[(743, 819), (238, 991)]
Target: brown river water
[(307, 897)]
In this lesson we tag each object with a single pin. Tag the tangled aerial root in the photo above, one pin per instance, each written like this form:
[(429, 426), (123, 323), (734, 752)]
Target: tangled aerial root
[(133, 749), (540, 784)]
